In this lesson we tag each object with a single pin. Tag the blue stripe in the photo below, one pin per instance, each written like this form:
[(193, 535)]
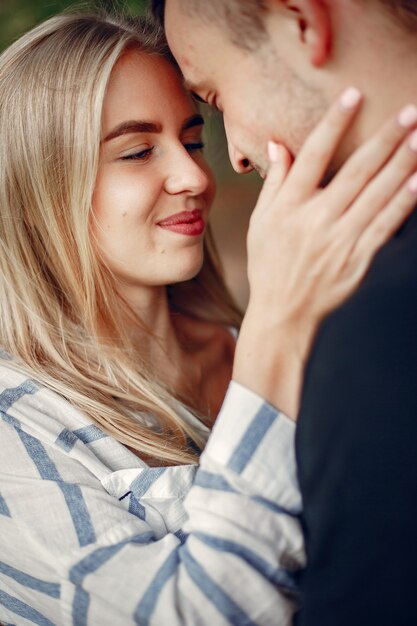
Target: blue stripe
[(275, 507), (88, 434), (4, 509), (181, 535), (253, 436), (80, 607), (90, 564), (93, 561), (79, 512), (50, 589), (145, 480), (9, 419), (66, 440), (39, 456), (207, 480), (146, 607), (47, 469), (72, 493), (136, 508), (215, 594), (276, 575), (9, 396), (24, 610)]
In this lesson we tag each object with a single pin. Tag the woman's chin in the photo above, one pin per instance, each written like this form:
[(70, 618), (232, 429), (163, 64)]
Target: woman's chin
[(188, 273)]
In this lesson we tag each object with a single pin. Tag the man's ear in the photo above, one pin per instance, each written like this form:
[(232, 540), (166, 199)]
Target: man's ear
[(313, 24)]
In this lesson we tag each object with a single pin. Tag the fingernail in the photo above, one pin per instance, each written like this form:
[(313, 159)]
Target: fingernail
[(350, 98), (273, 151), (407, 116), (412, 183), (412, 142)]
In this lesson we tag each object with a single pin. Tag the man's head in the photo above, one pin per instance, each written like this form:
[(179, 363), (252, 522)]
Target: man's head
[(274, 66), (249, 12)]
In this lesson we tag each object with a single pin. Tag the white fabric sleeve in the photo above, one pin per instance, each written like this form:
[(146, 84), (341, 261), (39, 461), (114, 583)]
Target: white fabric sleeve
[(122, 551)]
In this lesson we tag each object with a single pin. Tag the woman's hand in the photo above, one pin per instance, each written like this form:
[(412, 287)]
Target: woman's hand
[(309, 248)]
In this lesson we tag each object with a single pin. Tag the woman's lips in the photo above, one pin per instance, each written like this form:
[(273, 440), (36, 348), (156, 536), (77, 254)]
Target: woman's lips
[(185, 223)]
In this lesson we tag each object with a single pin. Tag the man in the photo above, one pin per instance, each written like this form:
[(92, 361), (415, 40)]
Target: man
[(273, 67)]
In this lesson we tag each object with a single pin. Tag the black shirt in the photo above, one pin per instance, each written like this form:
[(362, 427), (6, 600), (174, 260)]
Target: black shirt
[(357, 451)]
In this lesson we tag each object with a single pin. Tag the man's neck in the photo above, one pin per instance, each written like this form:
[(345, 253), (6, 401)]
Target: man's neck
[(379, 57)]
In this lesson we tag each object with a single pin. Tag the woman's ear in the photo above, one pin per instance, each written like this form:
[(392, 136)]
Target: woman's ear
[(313, 26)]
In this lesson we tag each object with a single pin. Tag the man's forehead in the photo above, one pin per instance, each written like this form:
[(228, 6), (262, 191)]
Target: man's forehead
[(193, 78), (189, 42), (196, 76), (187, 32)]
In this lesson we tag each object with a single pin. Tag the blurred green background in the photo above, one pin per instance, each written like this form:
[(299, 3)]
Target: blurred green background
[(236, 195)]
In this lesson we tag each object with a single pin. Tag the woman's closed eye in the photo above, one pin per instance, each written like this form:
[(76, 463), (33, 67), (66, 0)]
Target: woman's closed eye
[(145, 153), (141, 155)]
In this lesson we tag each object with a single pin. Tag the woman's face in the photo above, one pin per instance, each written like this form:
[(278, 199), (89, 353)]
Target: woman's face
[(154, 189)]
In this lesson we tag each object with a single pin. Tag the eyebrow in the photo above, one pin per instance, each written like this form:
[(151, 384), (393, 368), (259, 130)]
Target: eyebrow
[(139, 126)]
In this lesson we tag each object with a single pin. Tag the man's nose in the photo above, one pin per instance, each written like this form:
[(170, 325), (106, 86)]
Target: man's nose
[(239, 161)]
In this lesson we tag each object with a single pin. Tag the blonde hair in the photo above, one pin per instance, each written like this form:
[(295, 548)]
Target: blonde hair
[(54, 293)]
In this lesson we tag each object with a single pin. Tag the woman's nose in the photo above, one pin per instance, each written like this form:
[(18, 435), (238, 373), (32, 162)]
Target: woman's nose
[(187, 174)]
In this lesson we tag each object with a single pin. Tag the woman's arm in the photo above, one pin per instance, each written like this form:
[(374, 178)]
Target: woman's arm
[(79, 549)]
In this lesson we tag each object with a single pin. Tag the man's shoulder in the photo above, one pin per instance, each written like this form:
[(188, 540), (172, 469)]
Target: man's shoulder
[(386, 299), (361, 373)]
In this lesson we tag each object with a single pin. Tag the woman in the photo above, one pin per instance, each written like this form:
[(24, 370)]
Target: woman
[(117, 348)]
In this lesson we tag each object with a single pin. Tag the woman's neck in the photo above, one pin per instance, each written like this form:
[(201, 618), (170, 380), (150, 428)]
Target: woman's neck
[(192, 358), (156, 337)]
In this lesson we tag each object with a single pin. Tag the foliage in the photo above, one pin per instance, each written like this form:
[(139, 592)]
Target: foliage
[(18, 16)]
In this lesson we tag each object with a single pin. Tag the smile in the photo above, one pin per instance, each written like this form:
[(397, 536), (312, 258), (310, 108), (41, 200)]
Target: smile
[(189, 223)]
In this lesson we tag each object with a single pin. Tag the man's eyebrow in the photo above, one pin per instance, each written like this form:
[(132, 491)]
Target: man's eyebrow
[(136, 126)]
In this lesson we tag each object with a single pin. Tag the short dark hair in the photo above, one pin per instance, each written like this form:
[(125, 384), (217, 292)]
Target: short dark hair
[(242, 18), (405, 11)]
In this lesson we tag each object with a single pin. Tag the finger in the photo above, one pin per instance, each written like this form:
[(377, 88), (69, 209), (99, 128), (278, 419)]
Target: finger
[(378, 194), (388, 221), (280, 163), (368, 160), (315, 155)]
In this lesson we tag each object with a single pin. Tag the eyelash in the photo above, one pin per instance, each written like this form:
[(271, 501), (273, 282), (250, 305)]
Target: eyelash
[(138, 156), (194, 147), (144, 154)]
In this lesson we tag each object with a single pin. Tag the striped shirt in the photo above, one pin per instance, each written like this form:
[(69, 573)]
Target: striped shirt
[(91, 535)]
